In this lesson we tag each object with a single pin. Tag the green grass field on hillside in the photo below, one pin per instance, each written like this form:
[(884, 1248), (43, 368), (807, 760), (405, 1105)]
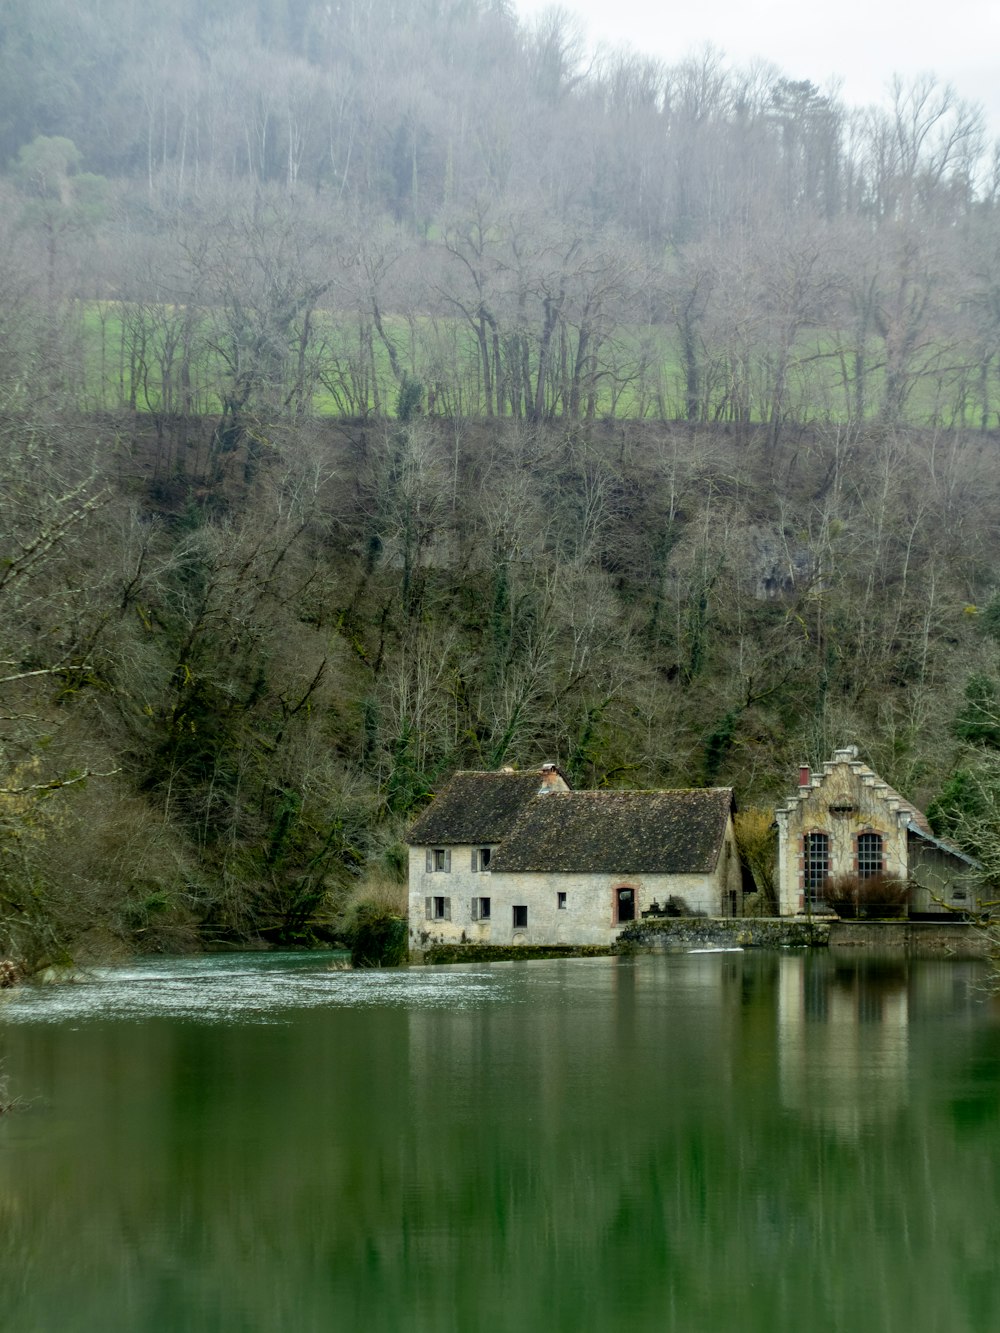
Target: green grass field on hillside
[(155, 358)]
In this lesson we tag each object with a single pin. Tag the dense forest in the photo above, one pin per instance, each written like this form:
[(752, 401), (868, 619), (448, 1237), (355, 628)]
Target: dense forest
[(383, 390)]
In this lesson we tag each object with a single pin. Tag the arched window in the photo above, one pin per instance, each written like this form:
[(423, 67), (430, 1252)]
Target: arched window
[(624, 905), (815, 864), (869, 855)]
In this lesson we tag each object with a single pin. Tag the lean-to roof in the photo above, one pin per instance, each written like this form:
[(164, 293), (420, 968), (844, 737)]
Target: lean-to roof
[(942, 844), (618, 833)]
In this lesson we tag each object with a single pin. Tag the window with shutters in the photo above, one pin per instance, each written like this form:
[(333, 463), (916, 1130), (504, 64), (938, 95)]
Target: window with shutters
[(481, 858), (438, 860), (437, 908), (480, 909)]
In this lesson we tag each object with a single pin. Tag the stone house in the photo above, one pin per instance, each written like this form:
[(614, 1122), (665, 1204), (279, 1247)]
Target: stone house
[(519, 858), (846, 824)]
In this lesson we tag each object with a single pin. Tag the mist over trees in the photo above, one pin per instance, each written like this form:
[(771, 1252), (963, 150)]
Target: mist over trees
[(383, 391), (365, 191)]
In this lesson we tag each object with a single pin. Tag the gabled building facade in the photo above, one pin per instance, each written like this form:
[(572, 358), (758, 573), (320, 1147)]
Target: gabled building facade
[(846, 825), (451, 850), (519, 858)]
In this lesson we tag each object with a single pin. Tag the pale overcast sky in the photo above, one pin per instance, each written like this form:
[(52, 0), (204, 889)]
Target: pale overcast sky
[(861, 42)]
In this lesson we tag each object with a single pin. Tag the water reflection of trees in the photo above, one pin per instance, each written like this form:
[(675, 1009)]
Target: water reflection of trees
[(604, 1143)]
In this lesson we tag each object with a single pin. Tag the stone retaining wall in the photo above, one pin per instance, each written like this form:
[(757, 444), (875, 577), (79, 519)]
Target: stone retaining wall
[(724, 932), (918, 939)]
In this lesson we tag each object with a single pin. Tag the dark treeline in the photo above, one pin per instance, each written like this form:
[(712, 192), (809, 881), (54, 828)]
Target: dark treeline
[(383, 393), (228, 683)]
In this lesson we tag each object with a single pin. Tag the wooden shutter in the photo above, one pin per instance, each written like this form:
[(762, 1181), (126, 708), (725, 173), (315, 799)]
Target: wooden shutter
[(430, 860), (447, 858), (474, 909), (475, 858), (428, 905), (447, 909)]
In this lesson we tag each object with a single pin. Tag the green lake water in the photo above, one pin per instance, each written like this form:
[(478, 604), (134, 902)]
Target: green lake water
[(718, 1141)]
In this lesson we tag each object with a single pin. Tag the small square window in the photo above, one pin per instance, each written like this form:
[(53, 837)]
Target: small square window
[(561, 901), (520, 917)]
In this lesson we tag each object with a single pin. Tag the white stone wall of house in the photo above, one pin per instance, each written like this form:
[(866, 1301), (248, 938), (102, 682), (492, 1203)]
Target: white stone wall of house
[(587, 909), (843, 801), (448, 892), (456, 905)]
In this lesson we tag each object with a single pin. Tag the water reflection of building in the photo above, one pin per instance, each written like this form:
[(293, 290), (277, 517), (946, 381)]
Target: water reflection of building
[(552, 1025), (843, 1037)]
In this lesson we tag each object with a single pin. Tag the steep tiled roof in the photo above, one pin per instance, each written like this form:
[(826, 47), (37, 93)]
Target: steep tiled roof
[(619, 833), (473, 808)]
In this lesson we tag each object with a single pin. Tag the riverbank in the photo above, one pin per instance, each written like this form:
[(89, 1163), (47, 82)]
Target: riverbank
[(500, 953), (915, 939)]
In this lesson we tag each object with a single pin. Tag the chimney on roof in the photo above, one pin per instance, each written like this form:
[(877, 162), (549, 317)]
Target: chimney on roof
[(845, 754), (805, 776), (550, 780)]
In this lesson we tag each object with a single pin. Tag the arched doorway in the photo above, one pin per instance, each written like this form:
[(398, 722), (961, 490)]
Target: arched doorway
[(624, 904)]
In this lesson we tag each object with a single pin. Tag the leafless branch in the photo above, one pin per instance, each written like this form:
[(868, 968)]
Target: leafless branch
[(57, 783)]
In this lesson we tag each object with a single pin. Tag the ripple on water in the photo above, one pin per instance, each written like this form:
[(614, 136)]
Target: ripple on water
[(245, 989)]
